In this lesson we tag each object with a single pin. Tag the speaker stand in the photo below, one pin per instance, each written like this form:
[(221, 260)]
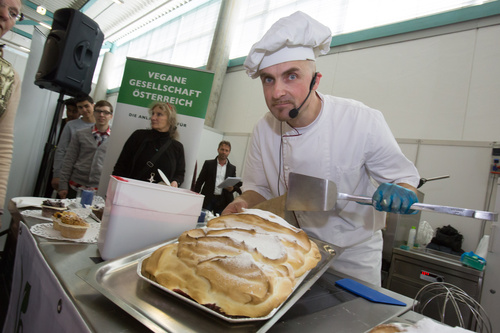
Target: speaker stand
[(49, 150)]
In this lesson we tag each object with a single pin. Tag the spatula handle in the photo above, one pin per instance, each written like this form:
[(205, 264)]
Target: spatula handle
[(477, 214), (357, 198)]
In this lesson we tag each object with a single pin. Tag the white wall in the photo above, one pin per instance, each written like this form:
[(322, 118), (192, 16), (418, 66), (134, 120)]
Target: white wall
[(441, 87), (210, 140), (467, 164)]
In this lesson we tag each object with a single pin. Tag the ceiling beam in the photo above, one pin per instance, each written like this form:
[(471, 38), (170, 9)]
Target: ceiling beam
[(33, 6), (87, 5)]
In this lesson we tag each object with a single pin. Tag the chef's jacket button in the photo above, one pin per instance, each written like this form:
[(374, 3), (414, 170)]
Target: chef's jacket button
[(286, 167), (285, 141)]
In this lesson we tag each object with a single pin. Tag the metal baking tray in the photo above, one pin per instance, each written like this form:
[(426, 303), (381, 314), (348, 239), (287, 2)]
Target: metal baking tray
[(204, 308), (161, 312)]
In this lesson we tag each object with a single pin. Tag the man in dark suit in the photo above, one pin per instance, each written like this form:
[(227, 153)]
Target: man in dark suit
[(212, 174)]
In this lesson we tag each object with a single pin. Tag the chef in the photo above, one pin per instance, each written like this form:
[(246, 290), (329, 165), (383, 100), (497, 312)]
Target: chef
[(323, 136)]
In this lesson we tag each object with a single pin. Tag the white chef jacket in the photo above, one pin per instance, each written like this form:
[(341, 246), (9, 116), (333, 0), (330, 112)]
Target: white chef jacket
[(349, 144)]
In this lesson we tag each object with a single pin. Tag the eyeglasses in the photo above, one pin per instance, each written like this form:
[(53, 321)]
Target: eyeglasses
[(106, 113), (13, 13)]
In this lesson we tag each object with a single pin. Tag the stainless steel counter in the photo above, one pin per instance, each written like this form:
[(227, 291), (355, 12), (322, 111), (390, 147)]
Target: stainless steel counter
[(322, 308)]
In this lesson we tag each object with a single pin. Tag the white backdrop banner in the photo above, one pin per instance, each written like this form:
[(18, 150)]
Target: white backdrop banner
[(145, 83)]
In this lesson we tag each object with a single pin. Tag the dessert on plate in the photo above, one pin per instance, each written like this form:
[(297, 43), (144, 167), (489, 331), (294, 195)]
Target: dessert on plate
[(244, 264), (70, 224), (387, 328), (49, 207)]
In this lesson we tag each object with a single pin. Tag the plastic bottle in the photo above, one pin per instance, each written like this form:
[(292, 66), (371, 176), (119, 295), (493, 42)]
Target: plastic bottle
[(482, 248), (411, 237)]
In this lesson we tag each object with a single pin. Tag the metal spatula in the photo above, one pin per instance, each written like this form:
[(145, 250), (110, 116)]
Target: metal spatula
[(306, 193)]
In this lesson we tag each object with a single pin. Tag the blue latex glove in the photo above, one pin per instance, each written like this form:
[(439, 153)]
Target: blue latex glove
[(393, 198)]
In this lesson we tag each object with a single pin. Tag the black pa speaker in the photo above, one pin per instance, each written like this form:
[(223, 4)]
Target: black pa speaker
[(70, 53)]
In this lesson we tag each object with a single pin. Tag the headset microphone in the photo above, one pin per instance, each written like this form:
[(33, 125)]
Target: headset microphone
[(295, 111)]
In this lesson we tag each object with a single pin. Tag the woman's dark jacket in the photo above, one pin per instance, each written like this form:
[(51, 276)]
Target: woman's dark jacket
[(140, 148)]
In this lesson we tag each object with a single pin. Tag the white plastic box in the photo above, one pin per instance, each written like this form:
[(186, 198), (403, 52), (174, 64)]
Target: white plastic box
[(139, 214)]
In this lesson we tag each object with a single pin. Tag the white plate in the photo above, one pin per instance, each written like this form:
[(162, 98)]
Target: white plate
[(204, 308), (46, 230), (24, 202)]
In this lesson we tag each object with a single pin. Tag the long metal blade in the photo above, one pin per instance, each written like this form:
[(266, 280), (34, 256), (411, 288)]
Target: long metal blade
[(307, 193)]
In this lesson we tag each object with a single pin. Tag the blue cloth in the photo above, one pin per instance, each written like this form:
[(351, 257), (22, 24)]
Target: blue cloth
[(393, 198), (471, 254)]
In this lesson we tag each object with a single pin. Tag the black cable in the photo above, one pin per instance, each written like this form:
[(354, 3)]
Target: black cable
[(281, 148)]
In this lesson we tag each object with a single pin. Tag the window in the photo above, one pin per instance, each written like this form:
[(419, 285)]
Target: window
[(183, 41), (186, 40), (341, 16)]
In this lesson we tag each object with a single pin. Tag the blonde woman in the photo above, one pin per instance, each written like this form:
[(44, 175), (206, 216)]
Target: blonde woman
[(148, 150)]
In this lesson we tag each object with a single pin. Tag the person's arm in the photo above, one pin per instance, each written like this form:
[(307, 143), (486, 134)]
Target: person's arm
[(201, 178), (123, 165), (7, 138), (64, 141), (246, 200), (180, 168), (235, 187), (408, 186), (62, 194), (67, 167), (55, 183), (397, 176)]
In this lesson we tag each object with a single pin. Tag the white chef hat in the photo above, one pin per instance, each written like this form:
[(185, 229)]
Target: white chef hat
[(295, 37)]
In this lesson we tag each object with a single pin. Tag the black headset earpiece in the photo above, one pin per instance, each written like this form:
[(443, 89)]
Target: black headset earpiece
[(313, 82), (295, 111)]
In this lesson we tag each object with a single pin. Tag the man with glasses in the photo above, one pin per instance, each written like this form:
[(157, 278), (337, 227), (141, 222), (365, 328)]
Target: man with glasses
[(10, 93), (85, 105), (10, 13), (84, 158)]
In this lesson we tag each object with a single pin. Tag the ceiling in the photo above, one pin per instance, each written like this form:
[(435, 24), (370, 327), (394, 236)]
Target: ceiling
[(117, 21)]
